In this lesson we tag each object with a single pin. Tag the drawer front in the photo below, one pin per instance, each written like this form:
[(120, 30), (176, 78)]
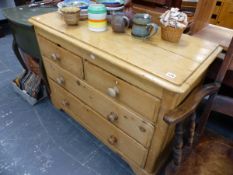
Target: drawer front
[(61, 57), (115, 113), (106, 132), (119, 90)]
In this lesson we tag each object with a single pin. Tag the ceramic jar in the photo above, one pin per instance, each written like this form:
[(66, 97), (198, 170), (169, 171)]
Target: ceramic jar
[(97, 14), (119, 23), (142, 26)]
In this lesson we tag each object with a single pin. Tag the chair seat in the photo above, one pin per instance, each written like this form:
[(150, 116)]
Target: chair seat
[(212, 156), (216, 34)]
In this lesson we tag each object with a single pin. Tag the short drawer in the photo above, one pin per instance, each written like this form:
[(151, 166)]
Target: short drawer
[(121, 91), (106, 132), (116, 114), (61, 57)]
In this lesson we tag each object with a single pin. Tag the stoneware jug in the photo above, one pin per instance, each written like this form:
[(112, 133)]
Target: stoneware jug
[(119, 22), (142, 26)]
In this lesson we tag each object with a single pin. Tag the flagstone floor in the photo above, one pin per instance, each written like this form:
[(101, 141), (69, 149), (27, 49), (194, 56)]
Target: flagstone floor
[(42, 140)]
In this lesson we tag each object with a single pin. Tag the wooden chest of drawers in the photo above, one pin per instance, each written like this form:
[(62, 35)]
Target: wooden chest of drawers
[(119, 87)]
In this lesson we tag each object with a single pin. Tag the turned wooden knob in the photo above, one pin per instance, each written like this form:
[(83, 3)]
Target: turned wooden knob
[(112, 140), (112, 117), (65, 103), (113, 92), (55, 57), (60, 80)]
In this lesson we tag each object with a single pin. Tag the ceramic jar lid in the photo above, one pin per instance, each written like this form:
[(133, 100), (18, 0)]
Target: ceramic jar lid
[(97, 9), (142, 19)]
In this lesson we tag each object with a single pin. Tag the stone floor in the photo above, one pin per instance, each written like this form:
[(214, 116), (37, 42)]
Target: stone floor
[(42, 140)]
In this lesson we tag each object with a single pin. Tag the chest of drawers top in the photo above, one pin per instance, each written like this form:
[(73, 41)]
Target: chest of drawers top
[(154, 61)]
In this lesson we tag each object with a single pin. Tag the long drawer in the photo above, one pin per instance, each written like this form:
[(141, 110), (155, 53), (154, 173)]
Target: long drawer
[(106, 132), (61, 57), (115, 113), (121, 91)]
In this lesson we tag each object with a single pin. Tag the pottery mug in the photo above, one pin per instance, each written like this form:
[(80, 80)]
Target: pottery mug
[(71, 15), (119, 22), (142, 26)]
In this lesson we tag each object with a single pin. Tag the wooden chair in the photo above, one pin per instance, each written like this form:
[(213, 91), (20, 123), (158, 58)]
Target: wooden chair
[(202, 29), (184, 118), (202, 15)]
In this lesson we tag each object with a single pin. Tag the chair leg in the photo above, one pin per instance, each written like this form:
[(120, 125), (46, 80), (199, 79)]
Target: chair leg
[(192, 130), (174, 165), (190, 140), (205, 116)]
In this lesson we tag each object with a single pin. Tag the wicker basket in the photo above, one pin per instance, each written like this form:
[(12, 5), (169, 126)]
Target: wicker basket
[(171, 34)]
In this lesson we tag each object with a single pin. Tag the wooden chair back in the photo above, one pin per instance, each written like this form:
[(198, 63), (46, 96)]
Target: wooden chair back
[(186, 114), (202, 15)]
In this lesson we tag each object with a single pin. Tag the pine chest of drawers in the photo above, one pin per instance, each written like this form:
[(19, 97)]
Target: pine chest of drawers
[(120, 87)]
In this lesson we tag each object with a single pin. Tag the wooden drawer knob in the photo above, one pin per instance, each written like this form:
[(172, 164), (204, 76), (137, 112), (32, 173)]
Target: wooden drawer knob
[(55, 57), (113, 92), (92, 56), (60, 80), (65, 103), (112, 140), (112, 117)]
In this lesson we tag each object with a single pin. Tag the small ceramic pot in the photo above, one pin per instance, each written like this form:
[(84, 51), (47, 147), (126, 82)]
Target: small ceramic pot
[(142, 26), (120, 23), (97, 14), (71, 15)]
